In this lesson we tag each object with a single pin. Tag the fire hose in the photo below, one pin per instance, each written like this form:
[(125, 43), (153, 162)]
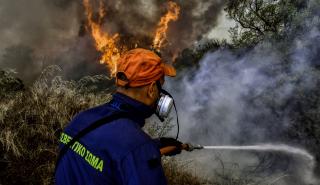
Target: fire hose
[(186, 146)]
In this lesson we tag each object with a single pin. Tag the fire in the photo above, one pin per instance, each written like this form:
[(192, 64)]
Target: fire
[(104, 43), (161, 32)]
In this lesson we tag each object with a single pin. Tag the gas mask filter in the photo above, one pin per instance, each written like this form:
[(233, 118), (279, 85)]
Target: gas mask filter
[(164, 106)]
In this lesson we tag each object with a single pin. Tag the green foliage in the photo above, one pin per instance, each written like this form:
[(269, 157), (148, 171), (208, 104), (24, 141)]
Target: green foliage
[(259, 19)]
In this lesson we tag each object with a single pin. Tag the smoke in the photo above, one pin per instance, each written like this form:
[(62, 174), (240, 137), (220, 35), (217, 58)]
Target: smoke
[(53, 31), (37, 23), (44, 28), (196, 21), (250, 97)]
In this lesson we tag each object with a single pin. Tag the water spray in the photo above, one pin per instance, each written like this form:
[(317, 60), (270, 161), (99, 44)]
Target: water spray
[(262, 147), (267, 147), (305, 155)]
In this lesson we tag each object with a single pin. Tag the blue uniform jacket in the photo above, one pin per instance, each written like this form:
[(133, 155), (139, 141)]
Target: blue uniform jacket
[(116, 153)]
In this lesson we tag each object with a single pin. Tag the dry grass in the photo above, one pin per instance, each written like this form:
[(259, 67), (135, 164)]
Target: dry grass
[(30, 122), (183, 173), (177, 174)]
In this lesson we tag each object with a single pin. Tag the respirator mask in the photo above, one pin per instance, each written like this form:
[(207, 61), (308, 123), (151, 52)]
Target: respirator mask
[(164, 105)]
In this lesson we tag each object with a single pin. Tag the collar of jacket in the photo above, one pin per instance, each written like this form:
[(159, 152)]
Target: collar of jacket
[(138, 110)]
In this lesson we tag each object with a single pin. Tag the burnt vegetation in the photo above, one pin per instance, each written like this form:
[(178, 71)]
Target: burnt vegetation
[(32, 116)]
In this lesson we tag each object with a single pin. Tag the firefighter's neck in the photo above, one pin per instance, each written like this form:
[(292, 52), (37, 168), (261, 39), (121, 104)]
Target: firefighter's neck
[(146, 94)]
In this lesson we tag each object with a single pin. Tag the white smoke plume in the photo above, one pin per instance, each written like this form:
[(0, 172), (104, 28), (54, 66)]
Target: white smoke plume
[(246, 98)]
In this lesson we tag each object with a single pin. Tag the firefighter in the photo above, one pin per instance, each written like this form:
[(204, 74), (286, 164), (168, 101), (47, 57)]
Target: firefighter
[(116, 150)]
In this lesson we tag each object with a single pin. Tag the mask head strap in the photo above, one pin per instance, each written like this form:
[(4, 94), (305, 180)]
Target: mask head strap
[(162, 90), (159, 86)]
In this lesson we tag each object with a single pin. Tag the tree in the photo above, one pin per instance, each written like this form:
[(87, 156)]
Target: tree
[(258, 19)]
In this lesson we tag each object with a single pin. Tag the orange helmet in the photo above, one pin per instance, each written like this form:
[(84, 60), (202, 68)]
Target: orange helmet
[(139, 67)]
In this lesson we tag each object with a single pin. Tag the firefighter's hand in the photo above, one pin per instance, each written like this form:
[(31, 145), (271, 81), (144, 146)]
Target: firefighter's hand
[(167, 142)]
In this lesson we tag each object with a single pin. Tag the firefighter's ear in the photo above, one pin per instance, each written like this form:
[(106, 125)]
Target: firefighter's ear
[(152, 91)]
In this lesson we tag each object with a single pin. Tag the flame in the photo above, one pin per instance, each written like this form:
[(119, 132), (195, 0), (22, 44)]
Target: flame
[(161, 32), (104, 43)]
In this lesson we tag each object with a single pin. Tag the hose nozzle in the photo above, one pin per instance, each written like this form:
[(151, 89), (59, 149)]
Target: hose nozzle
[(190, 147), (187, 147)]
